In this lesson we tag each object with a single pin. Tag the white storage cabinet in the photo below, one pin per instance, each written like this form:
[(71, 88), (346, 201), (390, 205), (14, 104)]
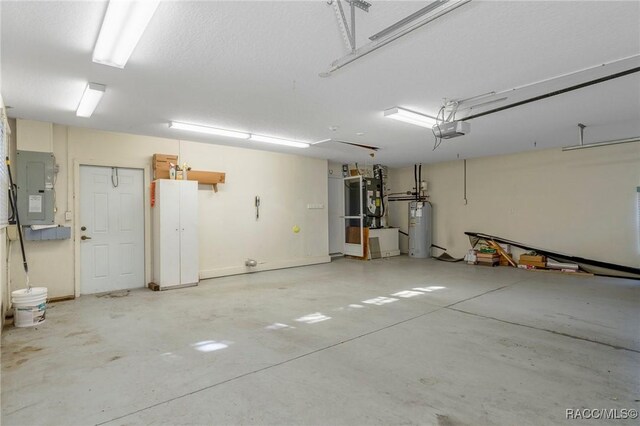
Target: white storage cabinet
[(175, 233)]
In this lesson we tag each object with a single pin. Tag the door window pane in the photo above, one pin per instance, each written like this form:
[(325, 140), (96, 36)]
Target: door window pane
[(352, 197)]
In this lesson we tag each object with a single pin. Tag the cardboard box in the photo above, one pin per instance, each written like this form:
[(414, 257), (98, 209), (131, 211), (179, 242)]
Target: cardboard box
[(165, 157), (529, 260), (163, 161), (532, 263), (488, 255)]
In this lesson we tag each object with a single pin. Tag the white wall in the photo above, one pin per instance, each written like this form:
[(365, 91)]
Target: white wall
[(229, 233), (581, 202)]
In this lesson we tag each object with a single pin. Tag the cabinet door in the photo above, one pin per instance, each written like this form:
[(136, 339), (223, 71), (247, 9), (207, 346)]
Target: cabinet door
[(168, 205), (189, 246)]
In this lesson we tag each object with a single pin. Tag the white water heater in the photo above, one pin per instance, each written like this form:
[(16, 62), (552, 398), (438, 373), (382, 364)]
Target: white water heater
[(420, 229)]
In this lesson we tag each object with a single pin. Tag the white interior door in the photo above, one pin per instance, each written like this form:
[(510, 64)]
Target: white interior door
[(353, 216), (336, 215), (112, 229)]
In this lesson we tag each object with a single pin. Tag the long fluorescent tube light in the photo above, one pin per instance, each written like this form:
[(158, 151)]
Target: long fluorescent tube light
[(208, 130), (234, 134), (122, 27), (278, 141), (597, 144), (411, 117), (90, 99)]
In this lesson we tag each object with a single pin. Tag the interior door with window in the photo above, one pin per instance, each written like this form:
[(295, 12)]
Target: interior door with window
[(336, 215), (353, 216), (111, 229)]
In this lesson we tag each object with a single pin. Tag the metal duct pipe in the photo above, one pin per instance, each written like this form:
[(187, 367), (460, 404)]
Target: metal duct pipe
[(605, 143), (370, 47), (401, 23)]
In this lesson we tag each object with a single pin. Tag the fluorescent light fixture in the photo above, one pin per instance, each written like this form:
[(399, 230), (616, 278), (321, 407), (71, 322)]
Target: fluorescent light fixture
[(278, 141), (208, 130), (122, 27), (90, 99), (411, 117), (234, 134)]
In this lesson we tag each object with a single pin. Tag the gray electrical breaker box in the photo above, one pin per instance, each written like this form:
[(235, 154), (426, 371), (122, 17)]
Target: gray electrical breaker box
[(34, 177)]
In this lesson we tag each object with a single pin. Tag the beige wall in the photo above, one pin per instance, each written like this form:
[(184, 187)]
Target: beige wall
[(229, 233), (582, 202)]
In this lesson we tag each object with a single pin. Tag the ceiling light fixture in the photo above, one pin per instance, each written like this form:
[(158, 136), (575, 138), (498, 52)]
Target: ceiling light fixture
[(122, 27), (90, 99), (235, 134), (278, 141), (208, 130), (411, 117)]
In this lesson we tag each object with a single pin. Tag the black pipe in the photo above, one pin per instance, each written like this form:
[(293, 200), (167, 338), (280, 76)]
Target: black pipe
[(14, 207), (554, 93), (419, 190), (382, 205), (415, 179), (407, 199)]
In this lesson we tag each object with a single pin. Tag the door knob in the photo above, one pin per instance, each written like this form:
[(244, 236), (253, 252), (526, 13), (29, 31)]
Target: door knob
[(84, 228), (84, 237)]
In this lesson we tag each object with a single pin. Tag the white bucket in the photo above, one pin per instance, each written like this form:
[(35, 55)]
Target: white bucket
[(29, 306)]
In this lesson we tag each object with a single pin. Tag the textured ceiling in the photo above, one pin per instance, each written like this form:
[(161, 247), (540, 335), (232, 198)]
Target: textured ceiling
[(254, 66)]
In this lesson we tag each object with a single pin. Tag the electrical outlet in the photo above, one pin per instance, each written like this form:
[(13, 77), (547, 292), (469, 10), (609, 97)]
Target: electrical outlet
[(68, 216)]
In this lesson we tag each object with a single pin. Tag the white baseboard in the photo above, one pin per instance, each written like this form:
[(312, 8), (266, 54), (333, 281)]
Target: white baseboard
[(266, 266)]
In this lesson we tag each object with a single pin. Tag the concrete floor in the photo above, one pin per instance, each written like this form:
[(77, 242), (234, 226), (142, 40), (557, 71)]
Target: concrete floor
[(344, 343)]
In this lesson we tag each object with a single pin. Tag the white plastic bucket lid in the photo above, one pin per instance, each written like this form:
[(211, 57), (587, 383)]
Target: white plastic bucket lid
[(34, 291), (25, 295)]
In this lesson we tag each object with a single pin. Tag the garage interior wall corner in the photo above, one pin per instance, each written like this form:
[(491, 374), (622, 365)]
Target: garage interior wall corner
[(229, 232), (582, 203)]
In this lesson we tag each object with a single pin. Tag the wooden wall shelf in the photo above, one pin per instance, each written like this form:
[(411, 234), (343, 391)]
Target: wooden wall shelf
[(161, 164), (203, 178)]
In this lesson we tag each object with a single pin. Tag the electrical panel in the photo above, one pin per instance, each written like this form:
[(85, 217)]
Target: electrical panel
[(35, 174)]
